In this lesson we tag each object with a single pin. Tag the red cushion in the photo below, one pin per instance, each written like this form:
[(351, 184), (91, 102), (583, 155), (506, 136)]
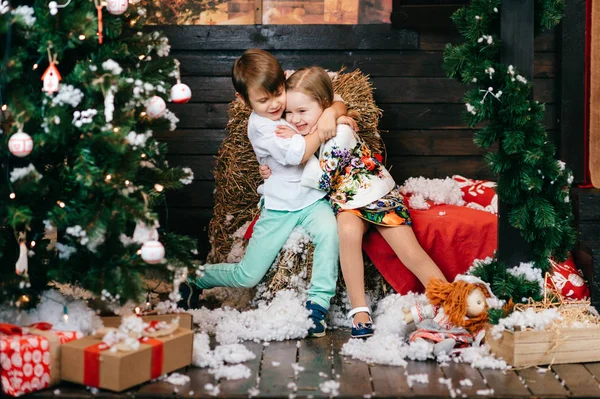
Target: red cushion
[(568, 279), (480, 192), (453, 240)]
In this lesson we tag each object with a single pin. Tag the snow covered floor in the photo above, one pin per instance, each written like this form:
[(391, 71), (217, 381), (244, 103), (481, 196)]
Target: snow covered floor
[(315, 368)]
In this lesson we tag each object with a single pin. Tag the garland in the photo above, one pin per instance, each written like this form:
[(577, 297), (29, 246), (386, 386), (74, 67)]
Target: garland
[(534, 184)]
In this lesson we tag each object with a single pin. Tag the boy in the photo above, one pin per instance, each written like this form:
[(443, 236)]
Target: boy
[(259, 82)]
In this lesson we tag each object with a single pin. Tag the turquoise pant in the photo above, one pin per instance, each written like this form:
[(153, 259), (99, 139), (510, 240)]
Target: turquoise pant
[(270, 233)]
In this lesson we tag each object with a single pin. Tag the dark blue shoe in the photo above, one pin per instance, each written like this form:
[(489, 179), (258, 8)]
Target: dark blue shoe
[(190, 296), (361, 330), (317, 315)]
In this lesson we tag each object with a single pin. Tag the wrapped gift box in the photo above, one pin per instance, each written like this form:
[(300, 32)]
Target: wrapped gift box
[(90, 362), (30, 357), (185, 319)]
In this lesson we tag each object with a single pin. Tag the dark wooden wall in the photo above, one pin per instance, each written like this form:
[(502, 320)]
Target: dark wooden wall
[(422, 108)]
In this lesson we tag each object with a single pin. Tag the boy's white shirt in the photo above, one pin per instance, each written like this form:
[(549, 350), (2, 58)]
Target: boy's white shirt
[(282, 190)]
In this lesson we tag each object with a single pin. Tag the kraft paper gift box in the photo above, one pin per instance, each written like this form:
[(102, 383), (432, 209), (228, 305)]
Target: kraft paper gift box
[(185, 319), (91, 362), (30, 357)]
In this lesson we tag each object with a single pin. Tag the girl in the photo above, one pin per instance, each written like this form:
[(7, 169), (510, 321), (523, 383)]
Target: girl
[(362, 192)]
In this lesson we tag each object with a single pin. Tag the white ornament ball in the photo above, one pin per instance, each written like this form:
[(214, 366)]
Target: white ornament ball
[(20, 144), (116, 7), (181, 93), (156, 107), (153, 252)]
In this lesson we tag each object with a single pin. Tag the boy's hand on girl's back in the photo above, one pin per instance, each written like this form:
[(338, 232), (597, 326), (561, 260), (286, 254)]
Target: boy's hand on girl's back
[(346, 120), (284, 132), (325, 126), (264, 171)]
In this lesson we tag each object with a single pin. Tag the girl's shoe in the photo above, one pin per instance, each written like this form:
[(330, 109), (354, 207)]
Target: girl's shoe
[(361, 330), (190, 296)]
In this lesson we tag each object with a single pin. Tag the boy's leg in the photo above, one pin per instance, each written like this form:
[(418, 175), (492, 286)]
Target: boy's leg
[(270, 233), (319, 220)]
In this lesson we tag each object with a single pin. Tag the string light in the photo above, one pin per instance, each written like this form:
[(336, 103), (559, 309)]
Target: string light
[(143, 155), (116, 129), (4, 107), (65, 313), (81, 37), (141, 57), (12, 196), (139, 252), (143, 113), (127, 182), (108, 177), (35, 66), (137, 310), (159, 187), (61, 204), (24, 299), (32, 244), (147, 301)]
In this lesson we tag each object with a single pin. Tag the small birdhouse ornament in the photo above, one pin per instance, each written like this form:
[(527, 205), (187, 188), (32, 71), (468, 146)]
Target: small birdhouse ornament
[(181, 93), (116, 7), (51, 78)]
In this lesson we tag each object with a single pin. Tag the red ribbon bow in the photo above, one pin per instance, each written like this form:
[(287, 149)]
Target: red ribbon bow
[(11, 329)]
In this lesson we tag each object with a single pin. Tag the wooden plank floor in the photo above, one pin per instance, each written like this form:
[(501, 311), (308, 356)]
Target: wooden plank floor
[(318, 360)]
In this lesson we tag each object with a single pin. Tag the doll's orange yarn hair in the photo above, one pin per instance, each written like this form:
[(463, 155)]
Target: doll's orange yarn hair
[(452, 297)]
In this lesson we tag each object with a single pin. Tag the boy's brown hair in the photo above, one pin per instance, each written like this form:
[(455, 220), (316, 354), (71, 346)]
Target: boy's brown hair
[(314, 82), (257, 69)]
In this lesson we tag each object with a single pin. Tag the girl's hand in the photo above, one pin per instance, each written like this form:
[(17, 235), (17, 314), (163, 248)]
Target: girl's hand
[(325, 126), (264, 171), (285, 132), (346, 120)]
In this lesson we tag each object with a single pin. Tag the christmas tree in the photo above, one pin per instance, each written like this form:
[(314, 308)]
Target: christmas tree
[(530, 178), (82, 90)]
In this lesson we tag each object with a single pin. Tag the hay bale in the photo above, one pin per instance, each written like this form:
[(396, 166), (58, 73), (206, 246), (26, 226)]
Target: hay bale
[(237, 178)]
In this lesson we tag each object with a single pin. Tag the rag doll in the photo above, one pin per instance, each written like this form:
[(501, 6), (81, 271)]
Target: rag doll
[(455, 316)]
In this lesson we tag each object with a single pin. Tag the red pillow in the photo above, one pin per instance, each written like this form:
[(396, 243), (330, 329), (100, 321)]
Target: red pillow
[(568, 279), (454, 236), (478, 194)]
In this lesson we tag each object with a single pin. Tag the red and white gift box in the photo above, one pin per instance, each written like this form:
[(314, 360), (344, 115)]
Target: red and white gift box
[(29, 357)]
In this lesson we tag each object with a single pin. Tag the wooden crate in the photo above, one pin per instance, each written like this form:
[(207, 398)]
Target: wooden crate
[(530, 348)]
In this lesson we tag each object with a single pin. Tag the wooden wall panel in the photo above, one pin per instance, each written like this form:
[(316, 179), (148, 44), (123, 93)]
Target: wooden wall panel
[(422, 110)]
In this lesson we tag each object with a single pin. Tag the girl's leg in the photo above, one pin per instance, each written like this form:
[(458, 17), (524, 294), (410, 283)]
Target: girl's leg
[(351, 229), (404, 243), (270, 233)]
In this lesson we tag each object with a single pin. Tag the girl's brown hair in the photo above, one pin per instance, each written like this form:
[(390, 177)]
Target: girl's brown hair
[(452, 297), (314, 82)]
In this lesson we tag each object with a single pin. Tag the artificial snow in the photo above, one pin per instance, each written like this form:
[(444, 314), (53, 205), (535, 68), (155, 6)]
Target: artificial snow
[(528, 319), (529, 272), (285, 317), (24, 14), (21, 173), (388, 345), (51, 310), (237, 372), (112, 67), (330, 387), (440, 191), (67, 94), (177, 379), (417, 378)]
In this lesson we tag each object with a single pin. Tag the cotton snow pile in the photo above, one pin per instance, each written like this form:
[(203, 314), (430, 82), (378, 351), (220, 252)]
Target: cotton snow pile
[(388, 345), (51, 309), (220, 359), (285, 317), (440, 191)]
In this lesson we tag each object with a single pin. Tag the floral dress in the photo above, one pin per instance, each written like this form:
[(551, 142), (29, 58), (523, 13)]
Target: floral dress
[(434, 325), (350, 173)]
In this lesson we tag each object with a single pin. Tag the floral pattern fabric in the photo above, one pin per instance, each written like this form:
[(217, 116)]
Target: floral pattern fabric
[(347, 173)]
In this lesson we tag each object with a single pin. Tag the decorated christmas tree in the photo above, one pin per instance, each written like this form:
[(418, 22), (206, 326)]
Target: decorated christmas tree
[(83, 89), (533, 183)]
